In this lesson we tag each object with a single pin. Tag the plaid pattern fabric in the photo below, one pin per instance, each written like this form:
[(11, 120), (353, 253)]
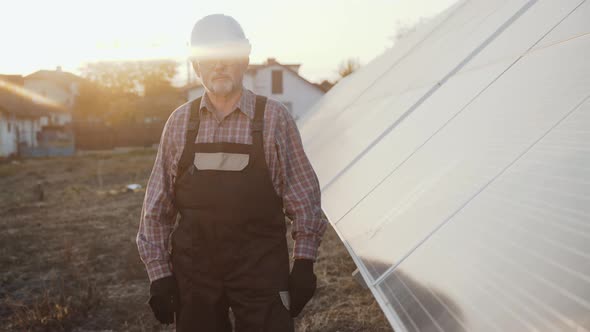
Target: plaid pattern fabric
[(292, 176)]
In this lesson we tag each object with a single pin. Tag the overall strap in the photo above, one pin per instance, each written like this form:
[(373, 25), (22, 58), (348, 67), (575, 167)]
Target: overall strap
[(257, 127), (192, 130)]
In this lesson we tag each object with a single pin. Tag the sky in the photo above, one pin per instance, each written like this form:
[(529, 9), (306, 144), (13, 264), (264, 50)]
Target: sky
[(318, 34)]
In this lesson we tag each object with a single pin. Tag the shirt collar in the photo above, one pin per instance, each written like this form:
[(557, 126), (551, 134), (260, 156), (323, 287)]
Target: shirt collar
[(245, 103)]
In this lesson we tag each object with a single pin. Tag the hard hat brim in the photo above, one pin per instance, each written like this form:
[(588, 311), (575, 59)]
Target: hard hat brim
[(221, 50)]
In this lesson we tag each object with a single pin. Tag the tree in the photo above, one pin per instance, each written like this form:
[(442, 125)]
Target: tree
[(116, 77), (348, 67), (115, 87), (91, 101), (156, 77), (124, 77)]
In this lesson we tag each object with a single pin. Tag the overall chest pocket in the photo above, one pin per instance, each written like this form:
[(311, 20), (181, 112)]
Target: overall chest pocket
[(221, 161)]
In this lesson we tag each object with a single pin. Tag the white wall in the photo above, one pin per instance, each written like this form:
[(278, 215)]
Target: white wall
[(7, 138), (55, 119), (53, 91), (249, 81), (61, 118), (301, 94), (27, 133), (56, 93)]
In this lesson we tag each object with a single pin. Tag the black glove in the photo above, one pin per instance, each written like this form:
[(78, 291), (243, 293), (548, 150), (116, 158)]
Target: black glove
[(302, 285), (164, 299)]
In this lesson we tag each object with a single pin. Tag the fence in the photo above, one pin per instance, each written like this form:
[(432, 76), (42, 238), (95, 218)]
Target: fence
[(104, 137)]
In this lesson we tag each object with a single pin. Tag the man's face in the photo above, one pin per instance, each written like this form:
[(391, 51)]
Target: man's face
[(221, 76)]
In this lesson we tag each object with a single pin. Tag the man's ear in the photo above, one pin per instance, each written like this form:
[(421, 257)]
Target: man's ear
[(196, 67), (245, 63)]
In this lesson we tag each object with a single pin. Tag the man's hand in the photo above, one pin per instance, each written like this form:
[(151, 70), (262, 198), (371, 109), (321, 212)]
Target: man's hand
[(164, 299), (302, 285)]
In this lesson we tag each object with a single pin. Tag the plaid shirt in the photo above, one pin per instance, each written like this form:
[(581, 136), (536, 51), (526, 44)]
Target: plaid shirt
[(292, 176)]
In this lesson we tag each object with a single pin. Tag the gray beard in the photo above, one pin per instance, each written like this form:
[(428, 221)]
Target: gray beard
[(222, 88)]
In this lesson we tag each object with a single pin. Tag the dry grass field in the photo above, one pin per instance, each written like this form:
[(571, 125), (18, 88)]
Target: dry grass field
[(69, 262)]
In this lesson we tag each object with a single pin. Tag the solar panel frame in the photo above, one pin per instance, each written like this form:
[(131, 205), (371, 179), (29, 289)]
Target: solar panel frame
[(548, 33)]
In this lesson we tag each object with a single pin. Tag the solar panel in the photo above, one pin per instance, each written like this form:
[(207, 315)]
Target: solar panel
[(455, 168)]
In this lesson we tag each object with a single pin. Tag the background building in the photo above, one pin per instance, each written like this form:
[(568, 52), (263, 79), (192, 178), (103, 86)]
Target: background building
[(35, 121), (60, 87)]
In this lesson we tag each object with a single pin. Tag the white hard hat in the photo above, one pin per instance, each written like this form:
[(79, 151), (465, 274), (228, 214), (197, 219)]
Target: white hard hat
[(217, 36)]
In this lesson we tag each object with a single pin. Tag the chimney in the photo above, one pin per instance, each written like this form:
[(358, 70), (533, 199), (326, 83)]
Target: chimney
[(271, 61), (58, 69)]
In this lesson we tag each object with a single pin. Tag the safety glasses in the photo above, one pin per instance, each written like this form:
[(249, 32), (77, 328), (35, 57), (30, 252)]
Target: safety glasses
[(209, 63)]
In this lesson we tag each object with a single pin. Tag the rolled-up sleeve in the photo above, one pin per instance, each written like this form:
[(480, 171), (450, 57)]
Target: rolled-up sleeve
[(158, 213), (301, 190)]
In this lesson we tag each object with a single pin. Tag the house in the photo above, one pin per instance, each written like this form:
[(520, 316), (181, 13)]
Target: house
[(25, 119), (278, 81), (17, 123), (58, 86)]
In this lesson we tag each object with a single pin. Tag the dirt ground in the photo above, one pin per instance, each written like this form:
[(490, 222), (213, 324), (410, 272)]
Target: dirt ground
[(68, 259)]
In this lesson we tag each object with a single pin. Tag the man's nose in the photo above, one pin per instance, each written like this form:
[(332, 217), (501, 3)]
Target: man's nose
[(219, 65)]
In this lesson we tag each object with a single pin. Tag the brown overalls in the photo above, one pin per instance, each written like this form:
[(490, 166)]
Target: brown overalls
[(229, 248)]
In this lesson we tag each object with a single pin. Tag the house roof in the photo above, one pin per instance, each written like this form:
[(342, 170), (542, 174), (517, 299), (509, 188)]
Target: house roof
[(21, 106), (14, 79), (57, 74), (62, 78), (8, 102), (14, 99), (273, 62)]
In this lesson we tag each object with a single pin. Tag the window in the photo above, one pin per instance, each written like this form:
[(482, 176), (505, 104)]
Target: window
[(277, 81)]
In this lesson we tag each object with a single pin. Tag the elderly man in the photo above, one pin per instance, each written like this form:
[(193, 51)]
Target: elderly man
[(231, 165)]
